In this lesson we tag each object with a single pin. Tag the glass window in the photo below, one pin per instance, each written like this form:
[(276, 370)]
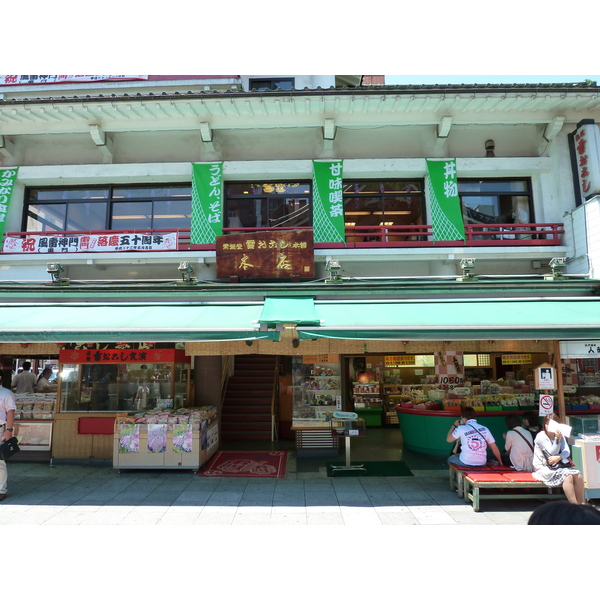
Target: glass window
[(383, 203), (107, 387), (272, 204), (496, 201), (131, 215), (284, 83), (113, 207)]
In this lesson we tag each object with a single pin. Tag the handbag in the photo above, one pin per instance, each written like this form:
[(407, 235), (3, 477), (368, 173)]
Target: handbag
[(565, 463), (8, 448)]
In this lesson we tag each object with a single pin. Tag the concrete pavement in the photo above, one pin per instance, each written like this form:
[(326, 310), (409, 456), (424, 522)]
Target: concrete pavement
[(82, 494)]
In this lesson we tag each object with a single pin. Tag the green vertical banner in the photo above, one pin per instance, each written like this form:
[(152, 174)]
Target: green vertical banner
[(207, 203), (7, 183), (328, 202), (446, 214)]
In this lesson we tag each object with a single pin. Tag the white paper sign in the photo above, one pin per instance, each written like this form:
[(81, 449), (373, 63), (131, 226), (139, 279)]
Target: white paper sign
[(554, 426)]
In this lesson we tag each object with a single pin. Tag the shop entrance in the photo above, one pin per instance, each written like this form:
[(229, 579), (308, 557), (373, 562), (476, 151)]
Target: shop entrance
[(251, 400)]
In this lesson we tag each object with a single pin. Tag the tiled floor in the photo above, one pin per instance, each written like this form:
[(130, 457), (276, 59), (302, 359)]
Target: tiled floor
[(80, 494)]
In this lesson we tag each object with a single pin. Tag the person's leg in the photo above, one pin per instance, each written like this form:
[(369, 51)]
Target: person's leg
[(453, 459), (3, 477), (579, 488), (568, 486)]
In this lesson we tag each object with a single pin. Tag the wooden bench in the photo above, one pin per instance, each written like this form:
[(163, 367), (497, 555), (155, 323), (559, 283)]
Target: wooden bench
[(457, 474), (520, 481)]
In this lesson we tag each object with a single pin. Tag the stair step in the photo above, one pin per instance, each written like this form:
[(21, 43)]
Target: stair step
[(246, 435), (230, 420), (247, 426)]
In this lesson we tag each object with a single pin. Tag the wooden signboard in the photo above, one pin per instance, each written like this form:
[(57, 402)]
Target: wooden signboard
[(545, 377), (269, 254)]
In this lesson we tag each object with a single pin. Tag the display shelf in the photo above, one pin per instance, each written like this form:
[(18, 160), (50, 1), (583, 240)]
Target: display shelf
[(316, 393), (152, 440), (367, 396)]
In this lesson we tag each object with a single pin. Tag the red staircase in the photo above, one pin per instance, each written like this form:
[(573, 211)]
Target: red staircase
[(246, 412)]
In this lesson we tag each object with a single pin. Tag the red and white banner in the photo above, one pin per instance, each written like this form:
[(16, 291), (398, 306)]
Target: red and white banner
[(43, 79), (587, 157), (118, 242)]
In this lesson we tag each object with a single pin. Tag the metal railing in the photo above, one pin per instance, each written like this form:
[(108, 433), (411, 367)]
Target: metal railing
[(375, 236)]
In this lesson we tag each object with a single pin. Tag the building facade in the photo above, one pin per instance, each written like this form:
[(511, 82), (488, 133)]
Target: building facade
[(106, 176)]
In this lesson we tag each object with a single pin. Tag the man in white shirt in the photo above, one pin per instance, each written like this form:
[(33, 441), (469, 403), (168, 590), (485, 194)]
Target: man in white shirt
[(7, 422), (518, 444), (24, 382), (474, 441)]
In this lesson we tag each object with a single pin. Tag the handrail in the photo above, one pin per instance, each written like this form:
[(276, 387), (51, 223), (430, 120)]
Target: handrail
[(225, 378), (274, 402), (361, 236)]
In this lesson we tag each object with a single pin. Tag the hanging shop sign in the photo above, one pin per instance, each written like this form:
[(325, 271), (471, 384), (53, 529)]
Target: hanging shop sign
[(66, 244), (516, 359), (7, 183), (207, 203), (270, 254), (159, 355), (398, 361), (43, 79), (545, 377), (328, 202), (585, 157), (589, 349), (446, 214)]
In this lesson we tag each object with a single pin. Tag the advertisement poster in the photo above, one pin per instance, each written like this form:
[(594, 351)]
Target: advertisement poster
[(212, 436), (67, 244), (328, 202), (449, 369), (207, 203), (157, 438), (7, 183), (129, 437), (182, 438), (446, 214)]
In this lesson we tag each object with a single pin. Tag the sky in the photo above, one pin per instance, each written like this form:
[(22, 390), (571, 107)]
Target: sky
[(482, 79)]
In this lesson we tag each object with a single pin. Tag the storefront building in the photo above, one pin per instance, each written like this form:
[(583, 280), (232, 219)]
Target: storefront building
[(387, 250)]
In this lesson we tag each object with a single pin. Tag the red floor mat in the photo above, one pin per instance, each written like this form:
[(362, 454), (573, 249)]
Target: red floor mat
[(246, 464)]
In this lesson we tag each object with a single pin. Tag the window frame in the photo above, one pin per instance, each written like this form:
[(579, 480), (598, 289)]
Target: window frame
[(272, 83), (267, 197), (387, 194), (497, 195), (110, 200)]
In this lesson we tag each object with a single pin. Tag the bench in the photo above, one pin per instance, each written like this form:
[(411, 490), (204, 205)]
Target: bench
[(457, 474), (523, 483)]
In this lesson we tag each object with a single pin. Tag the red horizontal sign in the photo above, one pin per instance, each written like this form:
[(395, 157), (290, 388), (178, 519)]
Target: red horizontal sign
[(165, 355)]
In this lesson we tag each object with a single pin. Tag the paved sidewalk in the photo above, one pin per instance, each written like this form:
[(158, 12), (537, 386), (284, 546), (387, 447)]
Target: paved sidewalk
[(97, 495)]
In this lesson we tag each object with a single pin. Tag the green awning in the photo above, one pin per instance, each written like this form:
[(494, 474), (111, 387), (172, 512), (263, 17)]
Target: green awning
[(562, 319), (300, 311), (131, 322)]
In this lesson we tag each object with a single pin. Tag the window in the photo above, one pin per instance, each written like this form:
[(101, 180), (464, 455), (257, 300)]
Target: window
[(109, 207), (261, 85), (368, 203), (489, 201), (273, 204)]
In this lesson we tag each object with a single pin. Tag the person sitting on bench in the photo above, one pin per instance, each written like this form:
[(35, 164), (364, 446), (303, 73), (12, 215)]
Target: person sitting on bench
[(474, 441)]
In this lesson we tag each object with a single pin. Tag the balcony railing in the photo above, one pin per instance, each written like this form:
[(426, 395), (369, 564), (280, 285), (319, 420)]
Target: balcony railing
[(387, 236)]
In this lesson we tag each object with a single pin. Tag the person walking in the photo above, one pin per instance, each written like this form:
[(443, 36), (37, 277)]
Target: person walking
[(7, 421)]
